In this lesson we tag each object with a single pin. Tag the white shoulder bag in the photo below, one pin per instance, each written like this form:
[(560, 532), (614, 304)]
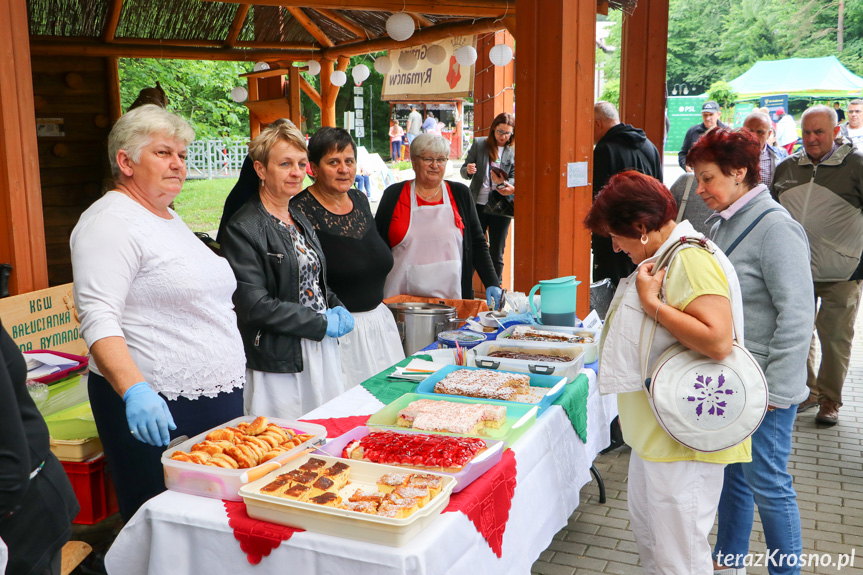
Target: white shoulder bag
[(705, 404)]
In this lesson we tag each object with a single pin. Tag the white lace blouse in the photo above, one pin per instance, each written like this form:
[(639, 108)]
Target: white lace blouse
[(151, 281)]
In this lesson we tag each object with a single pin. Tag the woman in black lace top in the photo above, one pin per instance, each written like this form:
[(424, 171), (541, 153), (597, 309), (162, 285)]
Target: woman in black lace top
[(358, 260)]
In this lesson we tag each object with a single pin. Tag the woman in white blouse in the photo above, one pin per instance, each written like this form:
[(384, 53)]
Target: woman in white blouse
[(155, 309)]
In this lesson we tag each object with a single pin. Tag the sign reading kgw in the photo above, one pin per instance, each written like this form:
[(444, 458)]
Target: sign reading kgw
[(445, 81), (44, 319)]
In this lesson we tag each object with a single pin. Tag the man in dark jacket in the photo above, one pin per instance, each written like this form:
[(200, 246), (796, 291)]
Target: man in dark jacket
[(709, 120), (619, 147)]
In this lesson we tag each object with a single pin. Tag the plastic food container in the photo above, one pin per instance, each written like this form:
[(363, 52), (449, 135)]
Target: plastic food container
[(341, 522), (220, 483), (591, 350), (465, 338), (519, 416), (479, 465), (555, 383), (76, 450), (574, 354)]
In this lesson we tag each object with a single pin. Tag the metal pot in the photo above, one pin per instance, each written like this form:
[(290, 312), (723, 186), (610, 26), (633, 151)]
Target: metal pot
[(420, 323)]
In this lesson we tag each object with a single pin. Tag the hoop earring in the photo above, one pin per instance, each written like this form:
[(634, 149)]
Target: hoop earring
[(643, 239)]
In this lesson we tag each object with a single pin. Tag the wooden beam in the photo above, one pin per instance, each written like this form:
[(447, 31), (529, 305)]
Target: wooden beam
[(275, 70), (181, 42), (422, 21), (644, 46), (328, 101), (237, 25), (424, 36), (467, 8), (294, 95), (554, 74), (310, 26), (277, 45), (112, 19), (354, 29), (22, 228), (98, 49), (311, 92), (509, 23), (113, 78), (602, 7)]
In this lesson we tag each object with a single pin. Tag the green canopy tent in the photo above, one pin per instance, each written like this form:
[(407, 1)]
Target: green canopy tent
[(800, 78)]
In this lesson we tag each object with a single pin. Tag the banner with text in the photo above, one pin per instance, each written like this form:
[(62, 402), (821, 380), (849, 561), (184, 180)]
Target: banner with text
[(445, 81), (44, 319)]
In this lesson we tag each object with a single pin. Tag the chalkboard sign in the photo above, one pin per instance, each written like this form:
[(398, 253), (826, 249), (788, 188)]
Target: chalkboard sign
[(683, 113)]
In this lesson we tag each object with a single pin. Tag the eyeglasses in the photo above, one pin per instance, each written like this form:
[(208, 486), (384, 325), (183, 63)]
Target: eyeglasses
[(430, 161), (855, 111), (500, 132)]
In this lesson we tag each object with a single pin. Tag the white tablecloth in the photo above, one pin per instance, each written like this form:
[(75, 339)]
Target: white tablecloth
[(179, 533)]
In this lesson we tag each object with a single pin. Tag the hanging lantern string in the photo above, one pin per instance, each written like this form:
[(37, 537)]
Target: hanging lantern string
[(493, 97), (505, 11)]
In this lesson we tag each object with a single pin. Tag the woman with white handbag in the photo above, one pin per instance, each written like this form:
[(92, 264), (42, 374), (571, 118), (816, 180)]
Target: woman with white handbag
[(770, 252), (695, 301)]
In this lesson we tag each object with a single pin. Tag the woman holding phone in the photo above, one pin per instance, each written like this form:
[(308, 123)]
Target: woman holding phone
[(490, 167)]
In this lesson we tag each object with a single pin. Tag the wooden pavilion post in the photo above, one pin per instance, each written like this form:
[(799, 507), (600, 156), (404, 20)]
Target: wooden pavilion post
[(294, 95), (492, 85), (554, 75), (328, 103), (642, 69), (22, 229)]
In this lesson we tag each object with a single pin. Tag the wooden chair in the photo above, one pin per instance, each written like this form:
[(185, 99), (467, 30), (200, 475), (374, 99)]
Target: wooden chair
[(73, 553)]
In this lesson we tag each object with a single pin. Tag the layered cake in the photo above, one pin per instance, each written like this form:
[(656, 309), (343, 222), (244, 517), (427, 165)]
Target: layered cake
[(417, 450), (524, 332), (505, 354), (484, 383), (466, 418)]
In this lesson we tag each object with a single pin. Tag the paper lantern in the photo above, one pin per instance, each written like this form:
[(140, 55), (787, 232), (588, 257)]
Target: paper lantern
[(338, 78), (261, 66), (466, 55), (400, 26), (314, 67), (407, 61), (383, 65), (239, 94), (500, 55), (436, 54), (360, 72)]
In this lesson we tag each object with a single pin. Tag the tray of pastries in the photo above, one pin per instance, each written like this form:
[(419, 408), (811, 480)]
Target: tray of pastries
[(219, 461), (550, 335), (348, 498), (496, 387), (458, 416), (464, 458)]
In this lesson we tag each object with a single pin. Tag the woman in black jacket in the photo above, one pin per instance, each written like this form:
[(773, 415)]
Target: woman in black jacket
[(432, 227), (37, 503), (288, 318)]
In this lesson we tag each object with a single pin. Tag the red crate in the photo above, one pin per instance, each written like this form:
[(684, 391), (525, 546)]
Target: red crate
[(93, 488)]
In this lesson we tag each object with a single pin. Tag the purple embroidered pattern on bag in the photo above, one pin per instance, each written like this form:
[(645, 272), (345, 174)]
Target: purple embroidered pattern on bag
[(710, 397)]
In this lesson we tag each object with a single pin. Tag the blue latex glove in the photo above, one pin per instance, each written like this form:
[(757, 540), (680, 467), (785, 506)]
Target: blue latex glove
[(347, 320), (333, 323), (148, 415), (492, 297)]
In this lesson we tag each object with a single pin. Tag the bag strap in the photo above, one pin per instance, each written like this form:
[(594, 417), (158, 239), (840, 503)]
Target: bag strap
[(748, 229), (685, 199), (663, 261)]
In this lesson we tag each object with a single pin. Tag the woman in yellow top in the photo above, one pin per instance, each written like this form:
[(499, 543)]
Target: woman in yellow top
[(673, 490)]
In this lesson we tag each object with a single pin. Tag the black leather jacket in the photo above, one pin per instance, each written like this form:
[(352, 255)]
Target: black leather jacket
[(269, 315)]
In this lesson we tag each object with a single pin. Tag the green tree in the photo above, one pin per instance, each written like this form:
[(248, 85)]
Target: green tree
[(199, 91)]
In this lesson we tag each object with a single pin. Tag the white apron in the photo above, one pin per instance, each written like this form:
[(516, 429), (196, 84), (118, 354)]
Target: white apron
[(372, 346), (428, 260), (619, 359)]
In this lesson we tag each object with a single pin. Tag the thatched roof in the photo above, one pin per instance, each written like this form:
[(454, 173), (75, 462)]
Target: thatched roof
[(272, 29)]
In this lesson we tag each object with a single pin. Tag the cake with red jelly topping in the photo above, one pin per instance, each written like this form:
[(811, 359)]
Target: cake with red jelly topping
[(466, 418), (416, 450), (484, 383)]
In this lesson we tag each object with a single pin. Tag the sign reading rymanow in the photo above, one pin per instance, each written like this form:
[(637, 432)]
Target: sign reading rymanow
[(445, 81), (44, 319)]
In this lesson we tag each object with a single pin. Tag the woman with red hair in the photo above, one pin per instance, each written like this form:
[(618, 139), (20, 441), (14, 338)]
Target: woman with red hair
[(772, 261), (673, 490)]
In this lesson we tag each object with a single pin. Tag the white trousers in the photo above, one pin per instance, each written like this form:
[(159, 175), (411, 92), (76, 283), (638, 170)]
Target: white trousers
[(672, 508), (290, 395), (372, 346)]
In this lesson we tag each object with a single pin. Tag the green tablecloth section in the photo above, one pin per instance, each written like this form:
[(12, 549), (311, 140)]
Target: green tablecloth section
[(573, 400)]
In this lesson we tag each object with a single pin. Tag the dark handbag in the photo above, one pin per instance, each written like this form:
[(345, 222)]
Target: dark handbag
[(499, 205)]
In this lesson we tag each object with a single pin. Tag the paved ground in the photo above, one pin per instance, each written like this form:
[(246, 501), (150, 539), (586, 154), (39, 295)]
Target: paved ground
[(827, 465)]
